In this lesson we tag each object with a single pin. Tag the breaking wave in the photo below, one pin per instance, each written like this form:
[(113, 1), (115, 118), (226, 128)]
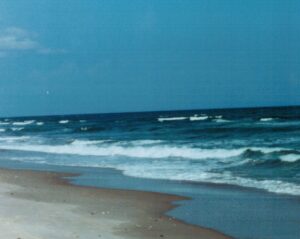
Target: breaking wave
[(162, 119), (27, 122), (63, 121)]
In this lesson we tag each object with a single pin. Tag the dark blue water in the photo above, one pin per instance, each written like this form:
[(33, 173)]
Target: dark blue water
[(258, 149)]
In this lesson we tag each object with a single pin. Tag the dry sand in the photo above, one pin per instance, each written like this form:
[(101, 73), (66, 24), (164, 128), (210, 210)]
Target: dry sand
[(42, 205)]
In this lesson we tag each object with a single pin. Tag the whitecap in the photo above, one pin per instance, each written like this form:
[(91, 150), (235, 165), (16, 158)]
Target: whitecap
[(196, 118), (290, 158), (266, 119), (17, 129), (12, 139), (27, 122), (89, 148), (63, 121), (171, 119), (221, 120)]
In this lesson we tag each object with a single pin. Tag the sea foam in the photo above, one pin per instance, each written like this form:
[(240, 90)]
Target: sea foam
[(290, 158), (162, 119), (63, 121), (196, 118), (266, 119), (27, 122)]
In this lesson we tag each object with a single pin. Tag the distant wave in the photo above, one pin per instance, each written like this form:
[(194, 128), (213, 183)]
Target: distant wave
[(266, 119), (27, 122), (4, 123), (13, 139), (2, 130), (191, 118), (218, 120), (40, 123), (17, 129), (196, 117), (162, 119), (290, 158), (63, 121)]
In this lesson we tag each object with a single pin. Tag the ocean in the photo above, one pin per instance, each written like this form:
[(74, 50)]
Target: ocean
[(255, 148)]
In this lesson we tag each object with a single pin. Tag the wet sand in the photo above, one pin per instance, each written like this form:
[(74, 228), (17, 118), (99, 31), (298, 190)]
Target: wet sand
[(42, 205)]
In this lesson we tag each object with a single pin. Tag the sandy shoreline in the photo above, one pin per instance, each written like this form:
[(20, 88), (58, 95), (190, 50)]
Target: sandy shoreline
[(44, 205)]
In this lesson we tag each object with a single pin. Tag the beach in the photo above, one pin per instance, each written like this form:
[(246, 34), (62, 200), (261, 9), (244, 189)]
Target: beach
[(45, 205)]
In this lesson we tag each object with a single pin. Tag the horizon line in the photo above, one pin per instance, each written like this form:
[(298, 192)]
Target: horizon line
[(150, 111)]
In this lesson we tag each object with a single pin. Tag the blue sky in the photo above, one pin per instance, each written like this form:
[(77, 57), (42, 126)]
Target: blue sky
[(89, 56)]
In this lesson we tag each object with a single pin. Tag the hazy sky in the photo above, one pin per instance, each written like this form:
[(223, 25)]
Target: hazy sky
[(83, 56)]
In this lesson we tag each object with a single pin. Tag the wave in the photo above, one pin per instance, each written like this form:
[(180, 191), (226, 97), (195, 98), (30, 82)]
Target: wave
[(63, 121), (162, 119), (92, 129), (4, 123), (291, 158), (275, 186), (266, 119), (17, 129), (27, 122), (174, 171), (196, 117), (40, 123), (2, 130), (12, 139), (136, 152), (175, 162), (222, 120), (136, 149)]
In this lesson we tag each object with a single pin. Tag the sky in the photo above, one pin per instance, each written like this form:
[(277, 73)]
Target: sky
[(97, 56)]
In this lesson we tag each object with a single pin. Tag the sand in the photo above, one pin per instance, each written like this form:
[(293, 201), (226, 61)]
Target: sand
[(44, 205)]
